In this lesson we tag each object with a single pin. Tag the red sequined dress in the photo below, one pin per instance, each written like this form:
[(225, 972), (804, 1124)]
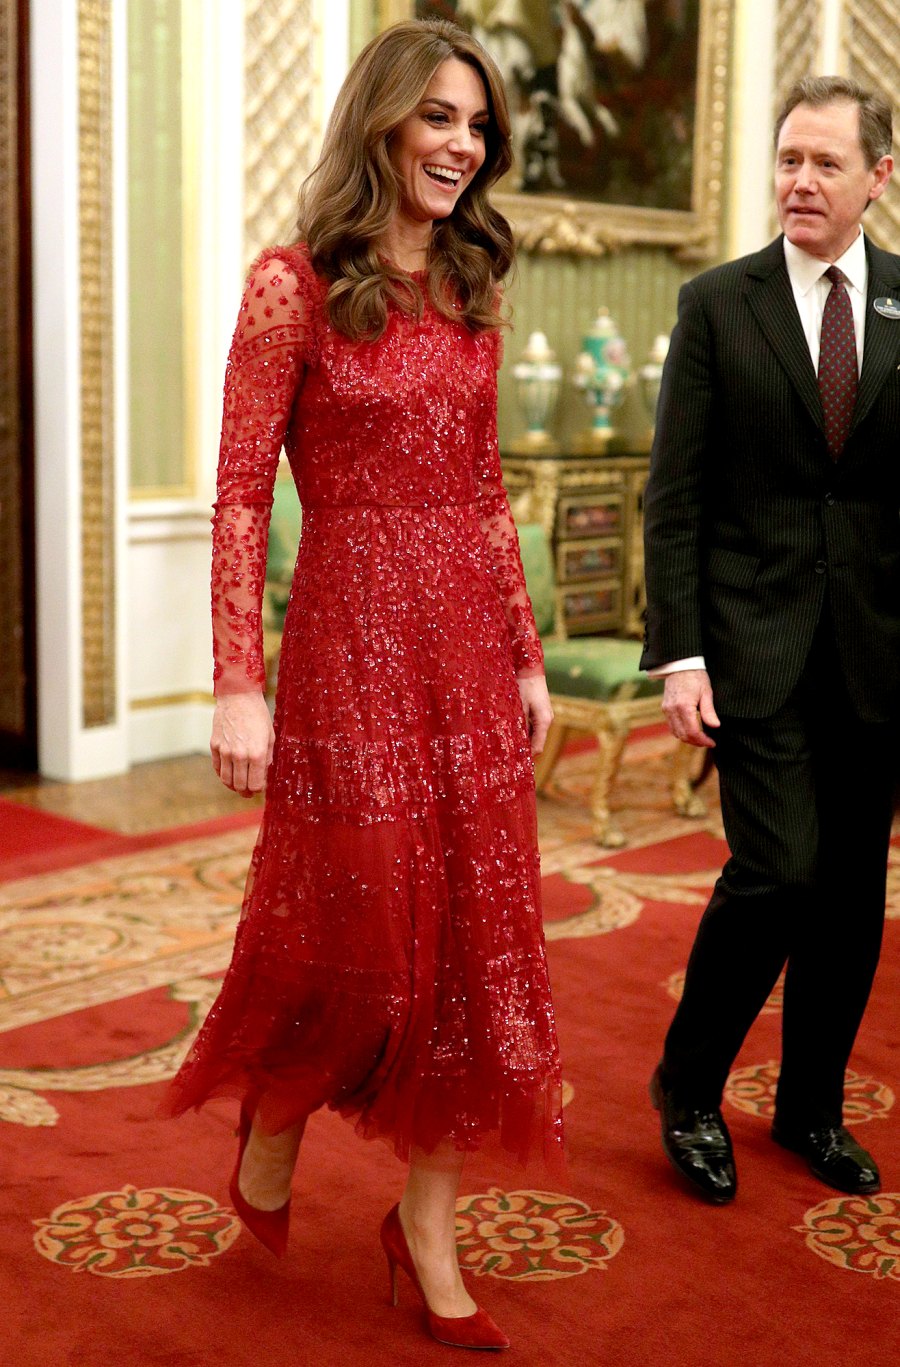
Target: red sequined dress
[(390, 959)]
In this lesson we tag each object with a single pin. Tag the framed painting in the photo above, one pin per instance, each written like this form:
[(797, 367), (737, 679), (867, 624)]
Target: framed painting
[(618, 110)]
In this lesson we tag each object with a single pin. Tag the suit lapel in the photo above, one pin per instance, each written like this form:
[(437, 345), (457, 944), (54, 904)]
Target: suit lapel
[(771, 298), (881, 339)]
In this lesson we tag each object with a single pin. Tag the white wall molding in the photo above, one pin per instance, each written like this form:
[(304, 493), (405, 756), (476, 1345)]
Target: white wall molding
[(750, 159), (170, 647), (57, 362), (832, 56), (121, 365), (162, 730), (169, 520), (68, 749), (162, 642)]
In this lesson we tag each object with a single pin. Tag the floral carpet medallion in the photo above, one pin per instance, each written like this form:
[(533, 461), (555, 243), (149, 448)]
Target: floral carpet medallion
[(534, 1236), (753, 1090), (861, 1233), (136, 1233)]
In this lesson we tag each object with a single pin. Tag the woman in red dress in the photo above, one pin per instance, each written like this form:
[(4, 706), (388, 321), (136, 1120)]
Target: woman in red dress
[(390, 959)]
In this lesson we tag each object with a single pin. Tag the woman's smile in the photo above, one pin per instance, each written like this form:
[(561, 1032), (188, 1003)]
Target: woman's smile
[(439, 149)]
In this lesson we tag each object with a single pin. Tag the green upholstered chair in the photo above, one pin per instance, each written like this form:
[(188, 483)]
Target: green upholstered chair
[(595, 685), (284, 537)]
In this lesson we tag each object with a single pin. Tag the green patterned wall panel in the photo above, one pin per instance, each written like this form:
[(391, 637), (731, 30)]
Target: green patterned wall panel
[(158, 460), (561, 295)]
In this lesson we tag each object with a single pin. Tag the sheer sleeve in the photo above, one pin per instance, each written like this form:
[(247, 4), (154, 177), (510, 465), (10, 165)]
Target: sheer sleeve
[(265, 368), (499, 531)]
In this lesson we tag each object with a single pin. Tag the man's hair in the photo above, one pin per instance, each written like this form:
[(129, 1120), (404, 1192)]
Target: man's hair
[(875, 121)]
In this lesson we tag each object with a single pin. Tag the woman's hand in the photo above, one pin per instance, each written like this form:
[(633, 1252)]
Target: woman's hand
[(537, 709), (242, 741)]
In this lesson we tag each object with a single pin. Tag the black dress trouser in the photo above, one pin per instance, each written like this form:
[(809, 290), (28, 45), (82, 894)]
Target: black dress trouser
[(806, 803)]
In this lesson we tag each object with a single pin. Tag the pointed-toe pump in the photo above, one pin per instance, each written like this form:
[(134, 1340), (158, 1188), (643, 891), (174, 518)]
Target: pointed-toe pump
[(468, 1331), (270, 1227)]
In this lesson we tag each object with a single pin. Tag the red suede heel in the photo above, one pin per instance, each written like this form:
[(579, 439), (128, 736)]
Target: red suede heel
[(468, 1331), (270, 1227)]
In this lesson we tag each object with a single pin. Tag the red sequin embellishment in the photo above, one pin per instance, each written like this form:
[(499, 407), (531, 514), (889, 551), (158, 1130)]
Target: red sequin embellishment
[(390, 958)]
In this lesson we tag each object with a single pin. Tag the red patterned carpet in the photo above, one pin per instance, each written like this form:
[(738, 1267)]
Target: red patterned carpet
[(117, 1243)]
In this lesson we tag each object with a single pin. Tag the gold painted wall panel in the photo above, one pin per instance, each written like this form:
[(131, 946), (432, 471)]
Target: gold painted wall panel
[(873, 42), (282, 130), (95, 250), (798, 33), (12, 661), (158, 458)]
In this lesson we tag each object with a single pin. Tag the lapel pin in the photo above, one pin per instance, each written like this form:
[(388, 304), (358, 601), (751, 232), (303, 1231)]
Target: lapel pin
[(887, 307)]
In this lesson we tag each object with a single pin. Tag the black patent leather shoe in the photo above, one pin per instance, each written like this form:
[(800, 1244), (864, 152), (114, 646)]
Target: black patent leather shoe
[(833, 1156), (696, 1143)]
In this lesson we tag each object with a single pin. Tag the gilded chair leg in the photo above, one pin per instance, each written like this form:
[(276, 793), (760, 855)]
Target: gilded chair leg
[(270, 665), (546, 761), (611, 740), (684, 766), (271, 655)]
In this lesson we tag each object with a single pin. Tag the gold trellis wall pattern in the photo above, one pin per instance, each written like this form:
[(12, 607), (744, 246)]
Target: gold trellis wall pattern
[(96, 276), (797, 39), (798, 34), (873, 42), (12, 711), (281, 115)]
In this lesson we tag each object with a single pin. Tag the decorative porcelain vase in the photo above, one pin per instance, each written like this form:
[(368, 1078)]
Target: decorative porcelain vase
[(650, 376), (537, 376), (602, 373)]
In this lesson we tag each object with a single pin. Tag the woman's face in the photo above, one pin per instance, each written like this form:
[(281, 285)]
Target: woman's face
[(439, 148)]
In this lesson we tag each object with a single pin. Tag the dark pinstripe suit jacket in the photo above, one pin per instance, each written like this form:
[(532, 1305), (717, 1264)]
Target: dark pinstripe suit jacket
[(748, 520)]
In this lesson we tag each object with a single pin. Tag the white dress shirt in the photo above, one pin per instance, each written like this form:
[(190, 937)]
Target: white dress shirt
[(807, 276)]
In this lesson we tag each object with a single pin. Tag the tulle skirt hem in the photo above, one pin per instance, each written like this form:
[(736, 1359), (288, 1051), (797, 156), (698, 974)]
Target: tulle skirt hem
[(519, 1132)]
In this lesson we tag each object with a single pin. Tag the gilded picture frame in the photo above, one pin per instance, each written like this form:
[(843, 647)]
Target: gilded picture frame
[(549, 220)]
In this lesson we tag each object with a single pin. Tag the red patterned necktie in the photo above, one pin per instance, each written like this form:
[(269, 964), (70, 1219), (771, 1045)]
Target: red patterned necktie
[(837, 363)]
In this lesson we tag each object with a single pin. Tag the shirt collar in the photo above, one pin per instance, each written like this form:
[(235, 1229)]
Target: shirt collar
[(805, 270)]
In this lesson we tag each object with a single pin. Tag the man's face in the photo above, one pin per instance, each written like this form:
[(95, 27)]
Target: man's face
[(822, 182)]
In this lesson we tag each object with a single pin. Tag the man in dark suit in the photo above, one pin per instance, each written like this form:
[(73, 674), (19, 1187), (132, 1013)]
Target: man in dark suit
[(773, 581)]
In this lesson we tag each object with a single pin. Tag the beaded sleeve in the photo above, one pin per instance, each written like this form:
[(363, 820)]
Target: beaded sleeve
[(264, 370), (499, 531)]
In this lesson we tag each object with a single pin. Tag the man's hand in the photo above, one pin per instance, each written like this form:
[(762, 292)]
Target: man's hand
[(537, 709), (242, 741), (688, 701)]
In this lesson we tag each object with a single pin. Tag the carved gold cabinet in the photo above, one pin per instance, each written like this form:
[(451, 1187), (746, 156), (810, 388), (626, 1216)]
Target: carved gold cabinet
[(591, 508)]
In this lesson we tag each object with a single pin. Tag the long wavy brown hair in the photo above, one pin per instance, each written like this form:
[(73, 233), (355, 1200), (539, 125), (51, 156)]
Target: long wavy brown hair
[(350, 199)]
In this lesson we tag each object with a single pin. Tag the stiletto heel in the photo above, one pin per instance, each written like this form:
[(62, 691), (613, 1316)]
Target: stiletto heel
[(468, 1331), (270, 1227), (392, 1274)]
